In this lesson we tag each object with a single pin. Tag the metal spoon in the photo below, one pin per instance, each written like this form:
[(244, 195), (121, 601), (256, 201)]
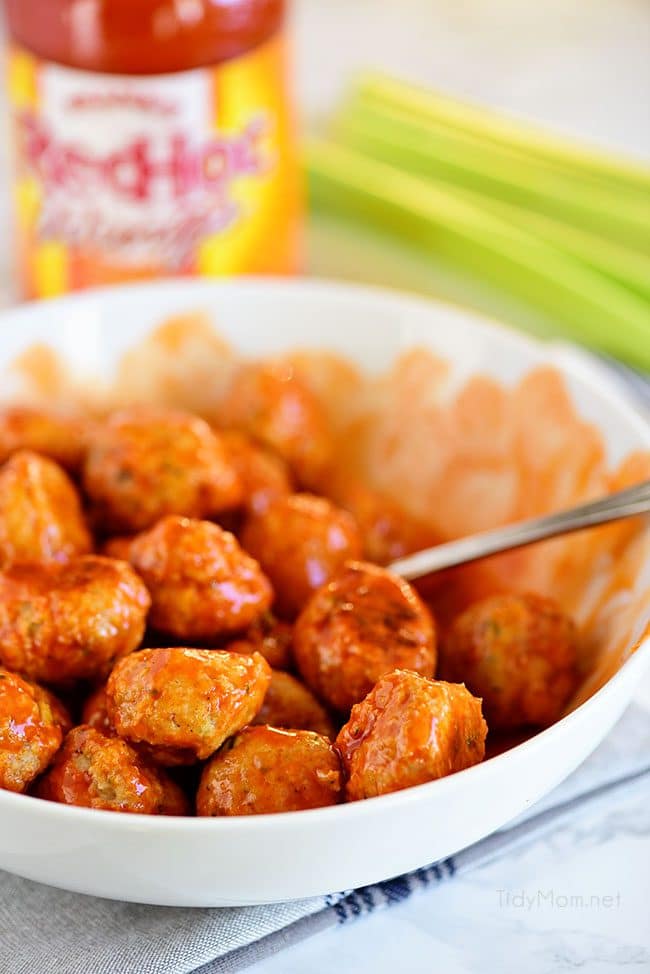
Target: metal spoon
[(626, 503)]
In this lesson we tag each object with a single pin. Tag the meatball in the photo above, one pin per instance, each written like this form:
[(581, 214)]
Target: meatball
[(144, 463), (96, 770), (388, 531), (32, 725), (407, 731), (118, 547), (40, 512), (269, 402), (60, 623), (364, 624), (519, 653), (185, 699), (264, 476), (95, 714), (288, 703), (301, 542), (264, 770), (60, 436), (270, 637), (202, 584)]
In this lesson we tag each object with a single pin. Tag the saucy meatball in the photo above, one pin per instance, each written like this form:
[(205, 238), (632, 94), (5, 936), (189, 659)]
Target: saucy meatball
[(388, 531), (301, 542), (60, 436), (519, 653), (40, 512), (288, 703), (118, 547), (95, 714), (60, 623), (264, 770), (32, 725), (272, 404), (144, 463), (185, 699), (263, 475), (202, 584), (407, 731), (96, 770), (363, 624), (270, 637)]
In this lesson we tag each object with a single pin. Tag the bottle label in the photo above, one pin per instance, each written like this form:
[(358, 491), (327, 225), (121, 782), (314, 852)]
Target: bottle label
[(125, 177)]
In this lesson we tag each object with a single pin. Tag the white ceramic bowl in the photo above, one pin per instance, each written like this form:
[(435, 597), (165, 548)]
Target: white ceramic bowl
[(233, 861)]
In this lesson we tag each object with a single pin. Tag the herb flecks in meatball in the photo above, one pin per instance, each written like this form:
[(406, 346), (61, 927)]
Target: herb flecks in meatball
[(61, 623), (32, 725), (519, 653), (363, 624), (144, 463), (96, 770), (185, 699), (407, 731), (265, 770)]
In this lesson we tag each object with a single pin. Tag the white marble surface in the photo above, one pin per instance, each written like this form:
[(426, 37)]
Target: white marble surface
[(581, 66)]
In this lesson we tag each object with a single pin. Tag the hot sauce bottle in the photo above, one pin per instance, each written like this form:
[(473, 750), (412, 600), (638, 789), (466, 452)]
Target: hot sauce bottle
[(152, 138)]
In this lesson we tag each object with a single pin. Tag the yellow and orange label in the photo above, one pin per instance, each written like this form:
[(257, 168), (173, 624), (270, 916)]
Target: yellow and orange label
[(126, 178)]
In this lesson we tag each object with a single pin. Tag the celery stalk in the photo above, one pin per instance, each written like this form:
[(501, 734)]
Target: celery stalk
[(388, 136), (591, 308), (514, 133), (610, 257)]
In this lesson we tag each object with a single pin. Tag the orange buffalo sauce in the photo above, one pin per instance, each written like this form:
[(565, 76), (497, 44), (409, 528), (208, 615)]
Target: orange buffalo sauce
[(152, 138)]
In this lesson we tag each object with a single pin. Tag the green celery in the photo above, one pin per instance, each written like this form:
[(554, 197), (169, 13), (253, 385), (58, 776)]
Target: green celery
[(514, 133), (407, 144), (610, 257), (591, 308)]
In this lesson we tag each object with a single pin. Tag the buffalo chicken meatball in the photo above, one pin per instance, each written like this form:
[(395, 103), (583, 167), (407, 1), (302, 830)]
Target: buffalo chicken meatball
[(363, 624), (407, 731), (40, 512), (97, 770), (60, 436), (60, 623), (264, 476), (288, 703), (32, 725), (118, 547), (95, 713), (519, 653), (185, 699), (269, 402), (202, 584), (388, 531), (301, 542), (144, 463), (270, 637), (264, 770)]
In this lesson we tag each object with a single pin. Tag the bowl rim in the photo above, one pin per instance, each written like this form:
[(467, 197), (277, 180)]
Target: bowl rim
[(555, 351)]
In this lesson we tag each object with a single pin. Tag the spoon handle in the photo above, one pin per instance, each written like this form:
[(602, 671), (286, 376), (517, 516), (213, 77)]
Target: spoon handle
[(626, 503)]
